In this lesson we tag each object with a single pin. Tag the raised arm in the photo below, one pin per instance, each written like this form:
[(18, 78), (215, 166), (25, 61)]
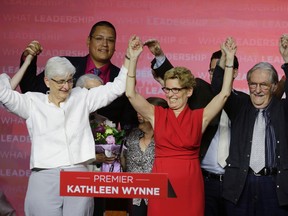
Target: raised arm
[(283, 49), (31, 81), (217, 103), (14, 82), (101, 96), (140, 104), (222, 60), (160, 64)]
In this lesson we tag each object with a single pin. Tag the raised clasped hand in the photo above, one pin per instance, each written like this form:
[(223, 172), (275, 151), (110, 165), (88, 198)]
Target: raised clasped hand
[(154, 47), (135, 46), (283, 47), (229, 47), (34, 49)]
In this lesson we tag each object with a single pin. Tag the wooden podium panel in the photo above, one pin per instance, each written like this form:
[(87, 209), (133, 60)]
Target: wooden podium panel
[(115, 213), (117, 206)]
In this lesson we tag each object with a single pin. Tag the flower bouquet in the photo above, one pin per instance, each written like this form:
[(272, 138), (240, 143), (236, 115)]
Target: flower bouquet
[(108, 140)]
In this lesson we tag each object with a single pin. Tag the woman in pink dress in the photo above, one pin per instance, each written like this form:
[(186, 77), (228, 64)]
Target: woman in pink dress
[(178, 131)]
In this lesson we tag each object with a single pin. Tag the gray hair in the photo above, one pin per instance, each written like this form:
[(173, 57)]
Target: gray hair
[(82, 80), (59, 66), (267, 67)]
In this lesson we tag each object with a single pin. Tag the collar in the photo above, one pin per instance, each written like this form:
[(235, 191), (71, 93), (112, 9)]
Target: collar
[(267, 109), (90, 66)]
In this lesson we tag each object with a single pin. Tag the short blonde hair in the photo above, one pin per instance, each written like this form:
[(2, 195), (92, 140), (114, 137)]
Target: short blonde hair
[(184, 75)]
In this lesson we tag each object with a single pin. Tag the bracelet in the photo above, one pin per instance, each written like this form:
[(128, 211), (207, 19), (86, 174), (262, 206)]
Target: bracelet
[(131, 76), (229, 66), (127, 57)]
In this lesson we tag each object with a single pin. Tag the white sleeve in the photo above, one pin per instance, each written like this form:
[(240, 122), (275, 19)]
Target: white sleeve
[(15, 102), (101, 96), (5, 81)]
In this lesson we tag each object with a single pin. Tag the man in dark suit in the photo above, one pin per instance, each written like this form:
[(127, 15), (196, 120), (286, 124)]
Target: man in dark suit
[(202, 95), (101, 45)]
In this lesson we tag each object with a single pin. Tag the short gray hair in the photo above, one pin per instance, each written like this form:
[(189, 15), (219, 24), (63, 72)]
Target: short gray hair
[(59, 66), (267, 67), (82, 80)]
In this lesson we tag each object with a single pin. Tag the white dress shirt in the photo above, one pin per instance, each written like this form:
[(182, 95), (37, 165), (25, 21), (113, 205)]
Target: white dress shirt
[(210, 161)]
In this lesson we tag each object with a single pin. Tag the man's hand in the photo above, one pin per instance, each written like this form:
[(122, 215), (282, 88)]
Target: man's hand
[(154, 47), (283, 47), (34, 49)]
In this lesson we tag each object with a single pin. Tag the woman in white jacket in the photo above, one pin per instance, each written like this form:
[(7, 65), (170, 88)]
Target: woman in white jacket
[(58, 125)]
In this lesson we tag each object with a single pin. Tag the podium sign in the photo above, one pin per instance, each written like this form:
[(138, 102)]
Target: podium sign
[(113, 185)]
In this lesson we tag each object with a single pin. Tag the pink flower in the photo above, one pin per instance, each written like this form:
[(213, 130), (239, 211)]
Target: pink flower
[(110, 139), (99, 129)]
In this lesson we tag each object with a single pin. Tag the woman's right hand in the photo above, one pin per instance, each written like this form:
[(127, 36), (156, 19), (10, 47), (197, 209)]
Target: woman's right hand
[(135, 47)]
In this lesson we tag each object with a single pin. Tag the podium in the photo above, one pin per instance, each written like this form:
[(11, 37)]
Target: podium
[(115, 213), (114, 185), (117, 206)]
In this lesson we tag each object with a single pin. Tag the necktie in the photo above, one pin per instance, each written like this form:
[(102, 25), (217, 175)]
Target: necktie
[(96, 71), (257, 160), (224, 139)]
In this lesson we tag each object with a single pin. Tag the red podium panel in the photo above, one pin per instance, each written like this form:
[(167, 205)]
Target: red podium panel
[(113, 185)]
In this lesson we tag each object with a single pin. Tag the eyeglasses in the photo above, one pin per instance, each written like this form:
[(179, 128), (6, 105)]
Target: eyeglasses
[(63, 82), (101, 39), (263, 86), (174, 90)]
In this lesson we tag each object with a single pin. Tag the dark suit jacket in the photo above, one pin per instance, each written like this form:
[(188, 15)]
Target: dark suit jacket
[(119, 111), (201, 96)]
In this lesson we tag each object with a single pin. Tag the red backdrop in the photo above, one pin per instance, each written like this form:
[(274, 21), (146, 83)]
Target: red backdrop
[(189, 31)]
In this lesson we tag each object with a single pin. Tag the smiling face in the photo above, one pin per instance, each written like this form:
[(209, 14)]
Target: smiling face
[(101, 45), (179, 100), (60, 88), (58, 78), (261, 89)]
